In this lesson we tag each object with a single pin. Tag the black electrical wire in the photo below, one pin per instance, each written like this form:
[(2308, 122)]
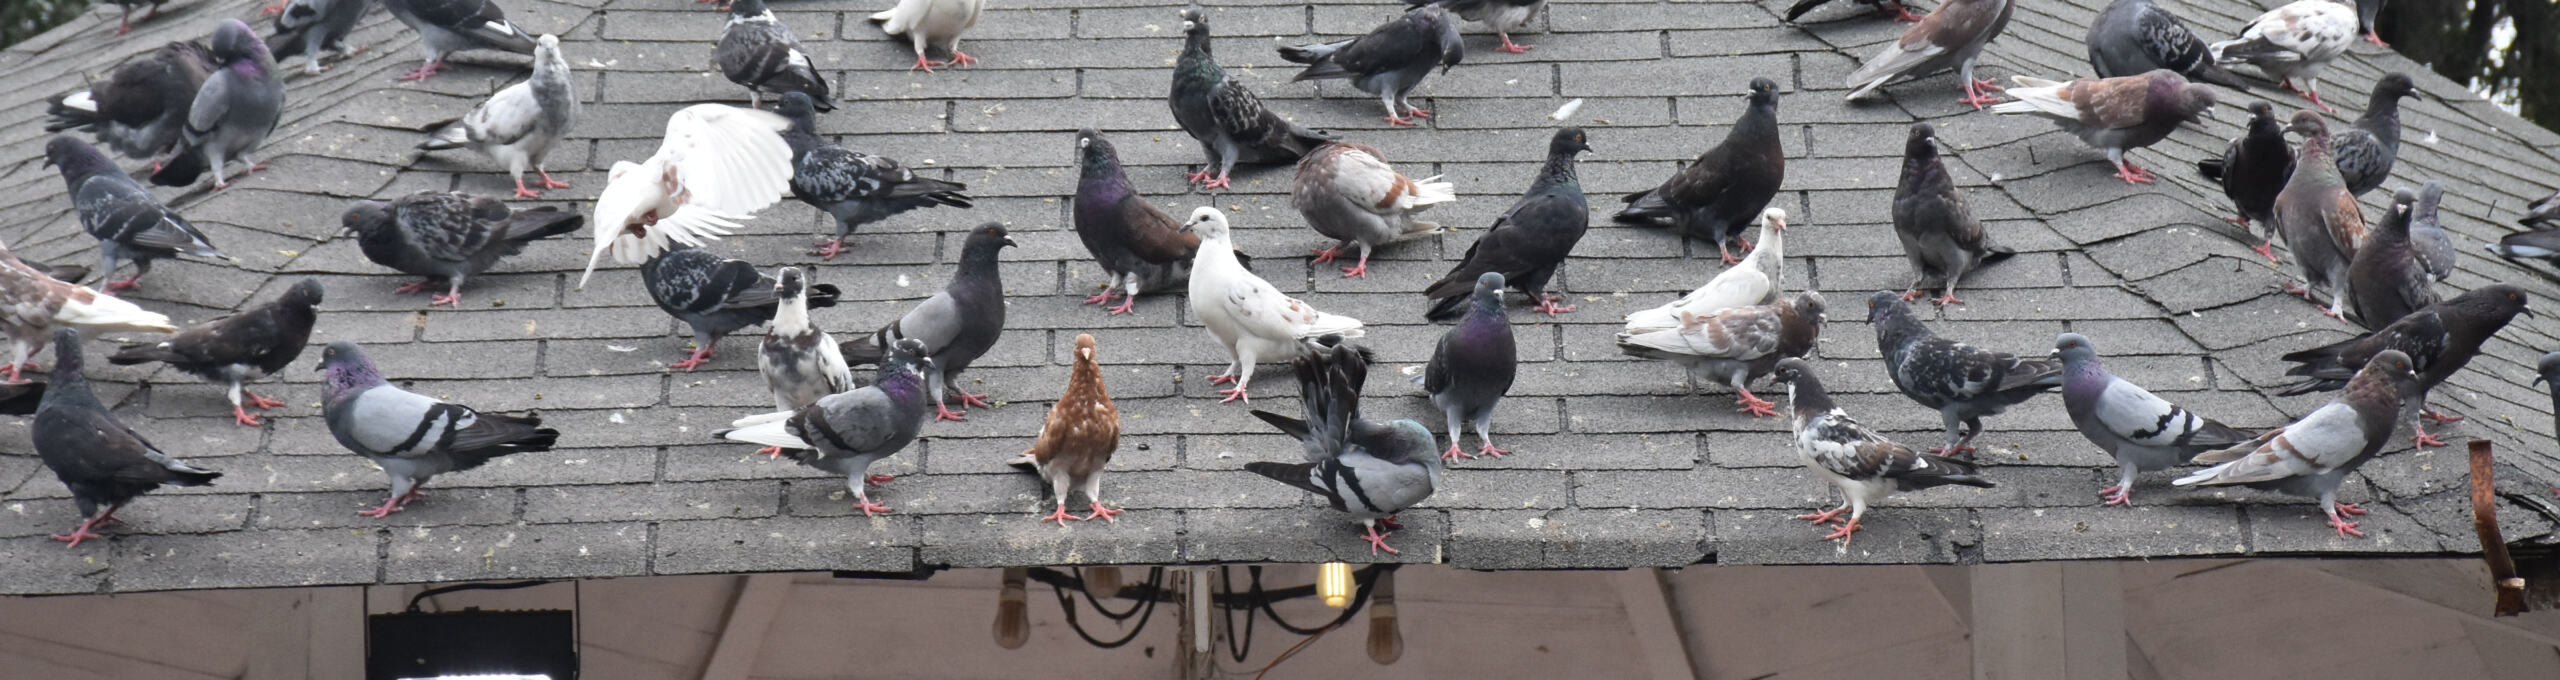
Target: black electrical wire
[(1067, 605), (1364, 577), (1153, 575), (440, 590), (1235, 650)]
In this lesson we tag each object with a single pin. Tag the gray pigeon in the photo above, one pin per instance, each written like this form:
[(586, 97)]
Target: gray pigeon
[(1227, 120), (1963, 382), (1939, 234), (449, 236), (715, 296), (1473, 367), (1530, 241), (2132, 37), (800, 362), (1137, 244), (234, 349), (2312, 456), (2440, 339), (2548, 370), (2252, 169), (1865, 466), (1897, 9), (1370, 469), (2367, 12), (757, 51), (307, 27), (140, 109), (1714, 197), (2427, 237), (2366, 152), (844, 433), (2543, 213), (231, 115), (1390, 61), (2116, 115), (2318, 217), (2541, 244), (956, 326), (855, 187), (518, 125), (2143, 431), (1503, 16), (128, 222), (2385, 281), (1736, 345), (413, 437), (1348, 193), (104, 463), (1951, 37), (448, 26)]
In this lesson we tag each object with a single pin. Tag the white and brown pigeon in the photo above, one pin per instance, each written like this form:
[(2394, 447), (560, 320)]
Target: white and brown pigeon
[(2294, 43), (717, 166), (1863, 465), (2312, 456), (1736, 345), (1247, 316), (2439, 340), (1951, 37), (32, 304), (518, 125), (934, 24), (1755, 281), (2116, 115), (1348, 193), (1077, 439)]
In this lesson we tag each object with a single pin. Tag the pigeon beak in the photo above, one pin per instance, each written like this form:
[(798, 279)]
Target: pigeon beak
[(1008, 242), (2537, 382)]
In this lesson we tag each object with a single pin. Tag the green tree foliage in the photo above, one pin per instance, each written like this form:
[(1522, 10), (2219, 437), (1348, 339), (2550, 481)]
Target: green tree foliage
[(23, 19), (2456, 38)]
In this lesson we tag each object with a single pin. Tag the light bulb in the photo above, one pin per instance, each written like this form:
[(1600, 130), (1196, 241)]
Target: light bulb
[(1333, 583)]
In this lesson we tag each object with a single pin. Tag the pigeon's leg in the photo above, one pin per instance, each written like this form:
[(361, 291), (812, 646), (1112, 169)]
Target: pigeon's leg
[(1548, 303), (1484, 431), (959, 58), (1324, 255), (401, 490), (412, 288), (2313, 95), (2329, 504), (1093, 495), (426, 70), (1508, 46), (238, 414), (452, 296), (2267, 249), (1751, 404), (1395, 116), (2126, 170), (1725, 254), (1107, 290), (522, 192), (701, 353), (1244, 376), (262, 403), (934, 387), (1360, 270), (877, 480), (2122, 492), (21, 348), (1226, 164), (2375, 38), (771, 452), (2422, 439), (140, 267), (1060, 488), (1825, 516), (968, 400), (917, 37), (1227, 375), (2432, 415), (1377, 541), (1976, 91), (87, 529), (216, 159), (755, 99), (1128, 305), (1454, 453), (106, 263), (1409, 109), (1848, 530), (862, 501), (1900, 12), (1958, 434), (1952, 277)]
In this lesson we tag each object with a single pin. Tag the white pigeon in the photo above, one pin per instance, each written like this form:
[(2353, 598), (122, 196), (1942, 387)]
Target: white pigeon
[(2294, 43), (518, 125), (1252, 319), (718, 165), (932, 23), (1753, 282)]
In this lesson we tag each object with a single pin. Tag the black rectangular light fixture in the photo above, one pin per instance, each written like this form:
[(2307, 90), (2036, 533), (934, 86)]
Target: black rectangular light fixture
[(472, 643)]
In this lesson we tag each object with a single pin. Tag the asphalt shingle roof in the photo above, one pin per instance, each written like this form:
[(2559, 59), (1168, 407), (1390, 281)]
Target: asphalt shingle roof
[(1617, 464)]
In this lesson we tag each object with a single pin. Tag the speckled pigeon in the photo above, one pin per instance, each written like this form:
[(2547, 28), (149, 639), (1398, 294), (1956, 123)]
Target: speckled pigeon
[(799, 361), (103, 462), (957, 325), (32, 304), (2252, 169), (854, 187), (1227, 120), (2385, 282), (844, 433), (2294, 43), (1939, 234), (1136, 244), (2312, 456), (715, 296), (1249, 318), (1963, 382), (1077, 438), (448, 26), (1951, 37), (307, 27), (2133, 37), (1503, 16), (2115, 115), (128, 222), (2543, 213), (932, 24), (2366, 152), (1735, 346), (411, 436), (1529, 241), (140, 109), (1863, 465), (1899, 10), (1390, 61), (518, 125), (1726, 187), (757, 51), (1370, 469), (234, 349), (1753, 282), (231, 115), (2427, 237), (1348, 193), (1473, 366), (2142, 431), (449, 236), (2319, 219), (2440, 339)]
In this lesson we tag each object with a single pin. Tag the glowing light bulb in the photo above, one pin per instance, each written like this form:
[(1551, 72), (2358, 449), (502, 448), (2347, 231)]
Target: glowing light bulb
[(1333, 583)]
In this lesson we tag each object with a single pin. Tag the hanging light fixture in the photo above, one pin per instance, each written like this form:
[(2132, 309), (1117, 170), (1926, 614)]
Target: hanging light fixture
[(1333, 583)]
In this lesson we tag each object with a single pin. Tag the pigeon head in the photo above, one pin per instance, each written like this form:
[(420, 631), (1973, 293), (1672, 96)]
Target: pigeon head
[(1195, 25), (2547, 369), (1209, 223), (2493, 304), (1809, 303), (366, 216), (2074, 349), (2430, 195), (66, 355), (345, 370), (1567, 142), (2185, 101), (2262, 113), (1489, 291), (790, 284), (1775, 219), (2388, 91), (749, 9), (1085, 352), (2391, 366), (2397, 221), (1789, 368), (1095, 155), (304, 293), (1764, 92), (1923, 143), (1885, 304), (798, 107), (907, 358), (2308, 124), (234, 41), (77, 159), (985, 242)]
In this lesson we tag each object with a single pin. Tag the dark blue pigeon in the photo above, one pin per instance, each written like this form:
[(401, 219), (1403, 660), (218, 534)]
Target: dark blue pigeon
[(2366, 152), (1474, 366), (105, 464), (857, 188), (449, 236), (128, 222), (715, 296), (306, 27), (1529, 241), (2132, 37)]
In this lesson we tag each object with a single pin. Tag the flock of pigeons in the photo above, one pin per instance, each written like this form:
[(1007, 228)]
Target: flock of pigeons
[(191, 108)]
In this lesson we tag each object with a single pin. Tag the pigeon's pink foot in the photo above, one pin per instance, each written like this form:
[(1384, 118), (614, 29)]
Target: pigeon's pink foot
[(78, 533), (1513, 47), (2349, 509), (1488, 451), (830, 248), (1550, 306), (127, 284), (2267, 249), (123, 27), (271, 10), (1824, 516), (1378, 541), (1910, 295), (1843, 533), (549, 183), (1944, 451), (414, 288), (1418, 113), (2314, 95), (2333, 313), (923, 63), (2133, 174), (14, 378), (1901, 13), (2424, 440), (1061, 516), (1361, 271), (959, 58), (1219, 182), (242, 417), (876, 480), (1977, 99), (389, 505), (261, 403), (1391, 522), (771, 452), (941, 412), (522, 192), (1127, 306), (1324, 255), (2118, 496), (1755, 406), (1947, 299), (1455, 453), (2344, 527), (450, 299), (1393, 119), (1105, 513), (2297, 291), (1221, 379), (2432, 415), (424, 71), (1726, 255), (973, 400), (698, 358), (1193, 178), (1102, 297), (1988, 86), (1234, 393), (870, 508), (2375, 38)]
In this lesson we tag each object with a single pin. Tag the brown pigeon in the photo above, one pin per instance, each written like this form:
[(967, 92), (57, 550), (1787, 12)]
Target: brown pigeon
[(1078, 438), (1348, 193), (1950, 37), (2114, 114), (2318, 218), (2313, 455)]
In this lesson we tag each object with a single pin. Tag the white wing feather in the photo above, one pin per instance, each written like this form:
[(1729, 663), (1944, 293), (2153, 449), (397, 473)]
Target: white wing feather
[(2318, 443), (717, 166), (2037, 96)]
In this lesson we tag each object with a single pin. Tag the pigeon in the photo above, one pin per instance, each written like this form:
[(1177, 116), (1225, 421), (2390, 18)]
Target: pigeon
[(2366, 15), (2133, 37), (845, 432), (2548, 370), (1963, 382), (1473, 366), (1349, 194), (2144, 432), (2312, 456), (1326, 366), (1136, 244), (32, 304), (2252, 169), (2318, 218), (103, 462), (957, 325), (1736, 345), (2541, 244), (231, 115), (2543, 213), (2293, 44), (855, 187), (757, 51), (128, 222), (2427, 237), (124, 24), (716, 296), (2384, 282), (518, 125), (932, 23), (2441, 338), (1252, 320), (1529, 241), (449, 236), (1077, 439), (2366, 152), (717, 166), (447, 26), (1899, 10), (1939, 234), (411, 436), (238, 348), (1228, 121), (1370, 469), (307, 27), (1753, 282), (140, 109), (1863, 465), (1727, 186), (1390, 61), (800, 362), (2116, 115), (1952, 36), (1503, 16)]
